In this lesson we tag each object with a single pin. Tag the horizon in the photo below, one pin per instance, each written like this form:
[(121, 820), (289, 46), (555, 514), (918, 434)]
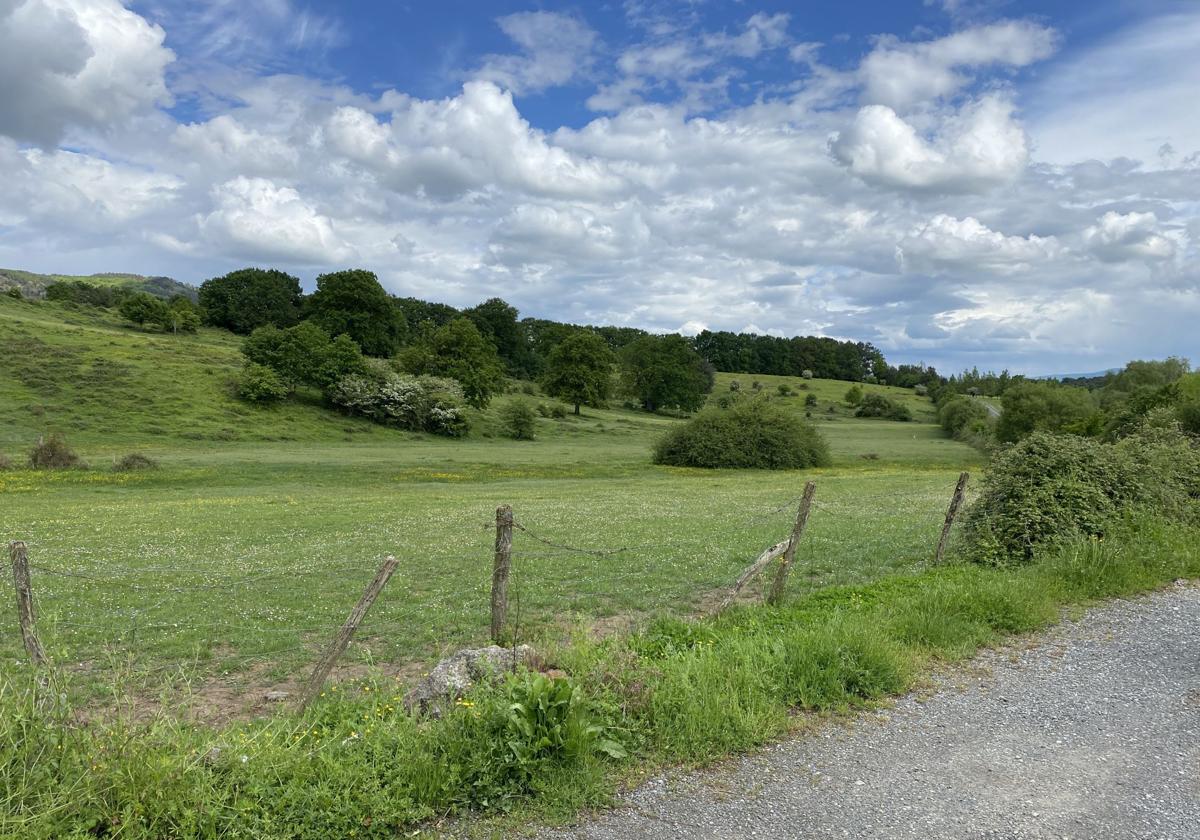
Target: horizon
[(964, 184)]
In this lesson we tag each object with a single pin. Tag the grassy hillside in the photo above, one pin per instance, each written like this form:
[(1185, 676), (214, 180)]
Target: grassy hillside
[(262, 524), (33, 285)]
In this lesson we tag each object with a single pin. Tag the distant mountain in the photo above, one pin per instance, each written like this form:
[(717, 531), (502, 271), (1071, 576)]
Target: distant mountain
[(33, 285)]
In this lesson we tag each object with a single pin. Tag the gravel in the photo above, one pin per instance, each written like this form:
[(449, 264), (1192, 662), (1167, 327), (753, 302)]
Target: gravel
[(1091, 730)]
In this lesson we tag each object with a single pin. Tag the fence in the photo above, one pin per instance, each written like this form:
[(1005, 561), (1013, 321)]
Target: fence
[(538, 580)]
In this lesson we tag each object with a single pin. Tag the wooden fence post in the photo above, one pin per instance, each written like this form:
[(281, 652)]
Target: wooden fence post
[(19, 553), (789, 553), (338, 646), (751, 572), (955, 503), (500, 568)]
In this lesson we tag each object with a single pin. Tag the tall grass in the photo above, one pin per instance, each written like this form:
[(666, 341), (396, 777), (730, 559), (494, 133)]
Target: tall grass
[(356, 765)]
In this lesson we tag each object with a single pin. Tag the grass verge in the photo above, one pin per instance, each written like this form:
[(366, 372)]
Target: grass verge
[(355, 765)]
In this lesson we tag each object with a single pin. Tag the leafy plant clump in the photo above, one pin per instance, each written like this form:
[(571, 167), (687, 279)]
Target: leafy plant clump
[(417, 403), (260, 384), (54, 453), (519, 420), (749, 433), (878, 405), (133, 462), (1052, 488)]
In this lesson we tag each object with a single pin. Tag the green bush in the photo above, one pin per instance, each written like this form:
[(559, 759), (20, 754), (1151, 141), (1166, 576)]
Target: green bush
[(1050, 488), (54, 453), (810, 401), (750, 433), (878, 405), (134, 461), (854, 395), (958, 414), (260, 384), (417, 403), (784, 389), (519, 420)]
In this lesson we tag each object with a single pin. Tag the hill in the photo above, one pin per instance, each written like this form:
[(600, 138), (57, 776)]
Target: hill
[(33, 285)]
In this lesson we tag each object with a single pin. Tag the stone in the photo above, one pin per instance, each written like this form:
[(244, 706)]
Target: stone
[(275, 696), (451, 678)]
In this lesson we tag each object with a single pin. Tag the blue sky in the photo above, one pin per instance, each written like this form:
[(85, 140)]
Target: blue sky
[(963, 182)]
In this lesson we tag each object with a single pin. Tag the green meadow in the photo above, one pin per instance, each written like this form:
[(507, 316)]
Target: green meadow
[(238, 557)]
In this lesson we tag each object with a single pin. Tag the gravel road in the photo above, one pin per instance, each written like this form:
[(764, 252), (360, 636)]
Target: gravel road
[(1091, 730)]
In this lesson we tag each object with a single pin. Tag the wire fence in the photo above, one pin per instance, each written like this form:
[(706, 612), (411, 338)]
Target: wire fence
[(563, 572)]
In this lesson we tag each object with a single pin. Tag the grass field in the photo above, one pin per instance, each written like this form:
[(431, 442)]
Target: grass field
[(247, 547)]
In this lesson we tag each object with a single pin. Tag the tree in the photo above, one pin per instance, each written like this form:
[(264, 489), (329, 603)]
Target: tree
[(143, 308), (497, 322), (303, 354), (353, 302), (663, 371), (458, 351), (1043, 406), (243, 300), (854, 395), (579, 370)]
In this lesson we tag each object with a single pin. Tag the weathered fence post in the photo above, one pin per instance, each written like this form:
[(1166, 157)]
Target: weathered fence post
[(500, 569), (955, 503), (338, 646), (789, 553), (19, 553)]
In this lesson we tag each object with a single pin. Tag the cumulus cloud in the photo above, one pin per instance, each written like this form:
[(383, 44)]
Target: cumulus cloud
[(67, 63), (256, 219), (1117, 237), (980, 146), (900, 75), (555, 49), (946, 242)]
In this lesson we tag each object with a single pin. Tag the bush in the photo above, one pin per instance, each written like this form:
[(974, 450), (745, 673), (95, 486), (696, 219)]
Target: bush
[(957, 415), (54, 453), (734, 385), (1051, 488), (810, 401), (878, 405), (260, 384), (134, 461), (921, 390), (519, 420), (806, 374), (784, 389), (751, 433), (854, 395), (416, 403), (558, 411), (5, 462)]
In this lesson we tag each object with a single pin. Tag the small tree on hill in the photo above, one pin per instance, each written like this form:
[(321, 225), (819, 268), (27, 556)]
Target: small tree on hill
[(663, 371), (352, 302), (854, 396), (243, 300), (458, 351), (143, 308), (580, 370)]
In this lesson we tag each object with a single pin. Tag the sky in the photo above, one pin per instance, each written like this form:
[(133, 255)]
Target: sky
[(991, 183)]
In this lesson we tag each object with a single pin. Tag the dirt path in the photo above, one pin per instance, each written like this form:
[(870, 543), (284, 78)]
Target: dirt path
[(1092, 732)]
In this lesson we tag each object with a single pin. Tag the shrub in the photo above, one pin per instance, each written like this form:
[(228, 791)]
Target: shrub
[(854, 395), (956, 415), (519, 420), (806, 374), (784, 389), (5, 462), (14, 292), (54, 453), (756, 385), (558, 411), (416, 403), (734, 385), (1051, 488), (810, 401), (878, 405), (260, 384), (751, 433), (921, 390), (134, 461)]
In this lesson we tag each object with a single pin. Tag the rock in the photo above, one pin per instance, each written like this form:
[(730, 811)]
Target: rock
[(276, 696), (451, 678)]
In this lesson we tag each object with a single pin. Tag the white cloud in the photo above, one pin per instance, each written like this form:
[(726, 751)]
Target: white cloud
[(945, 242), (980, 146), (256, 219), (1117, 237), (555, 50), (65, 63), (900, 75)]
